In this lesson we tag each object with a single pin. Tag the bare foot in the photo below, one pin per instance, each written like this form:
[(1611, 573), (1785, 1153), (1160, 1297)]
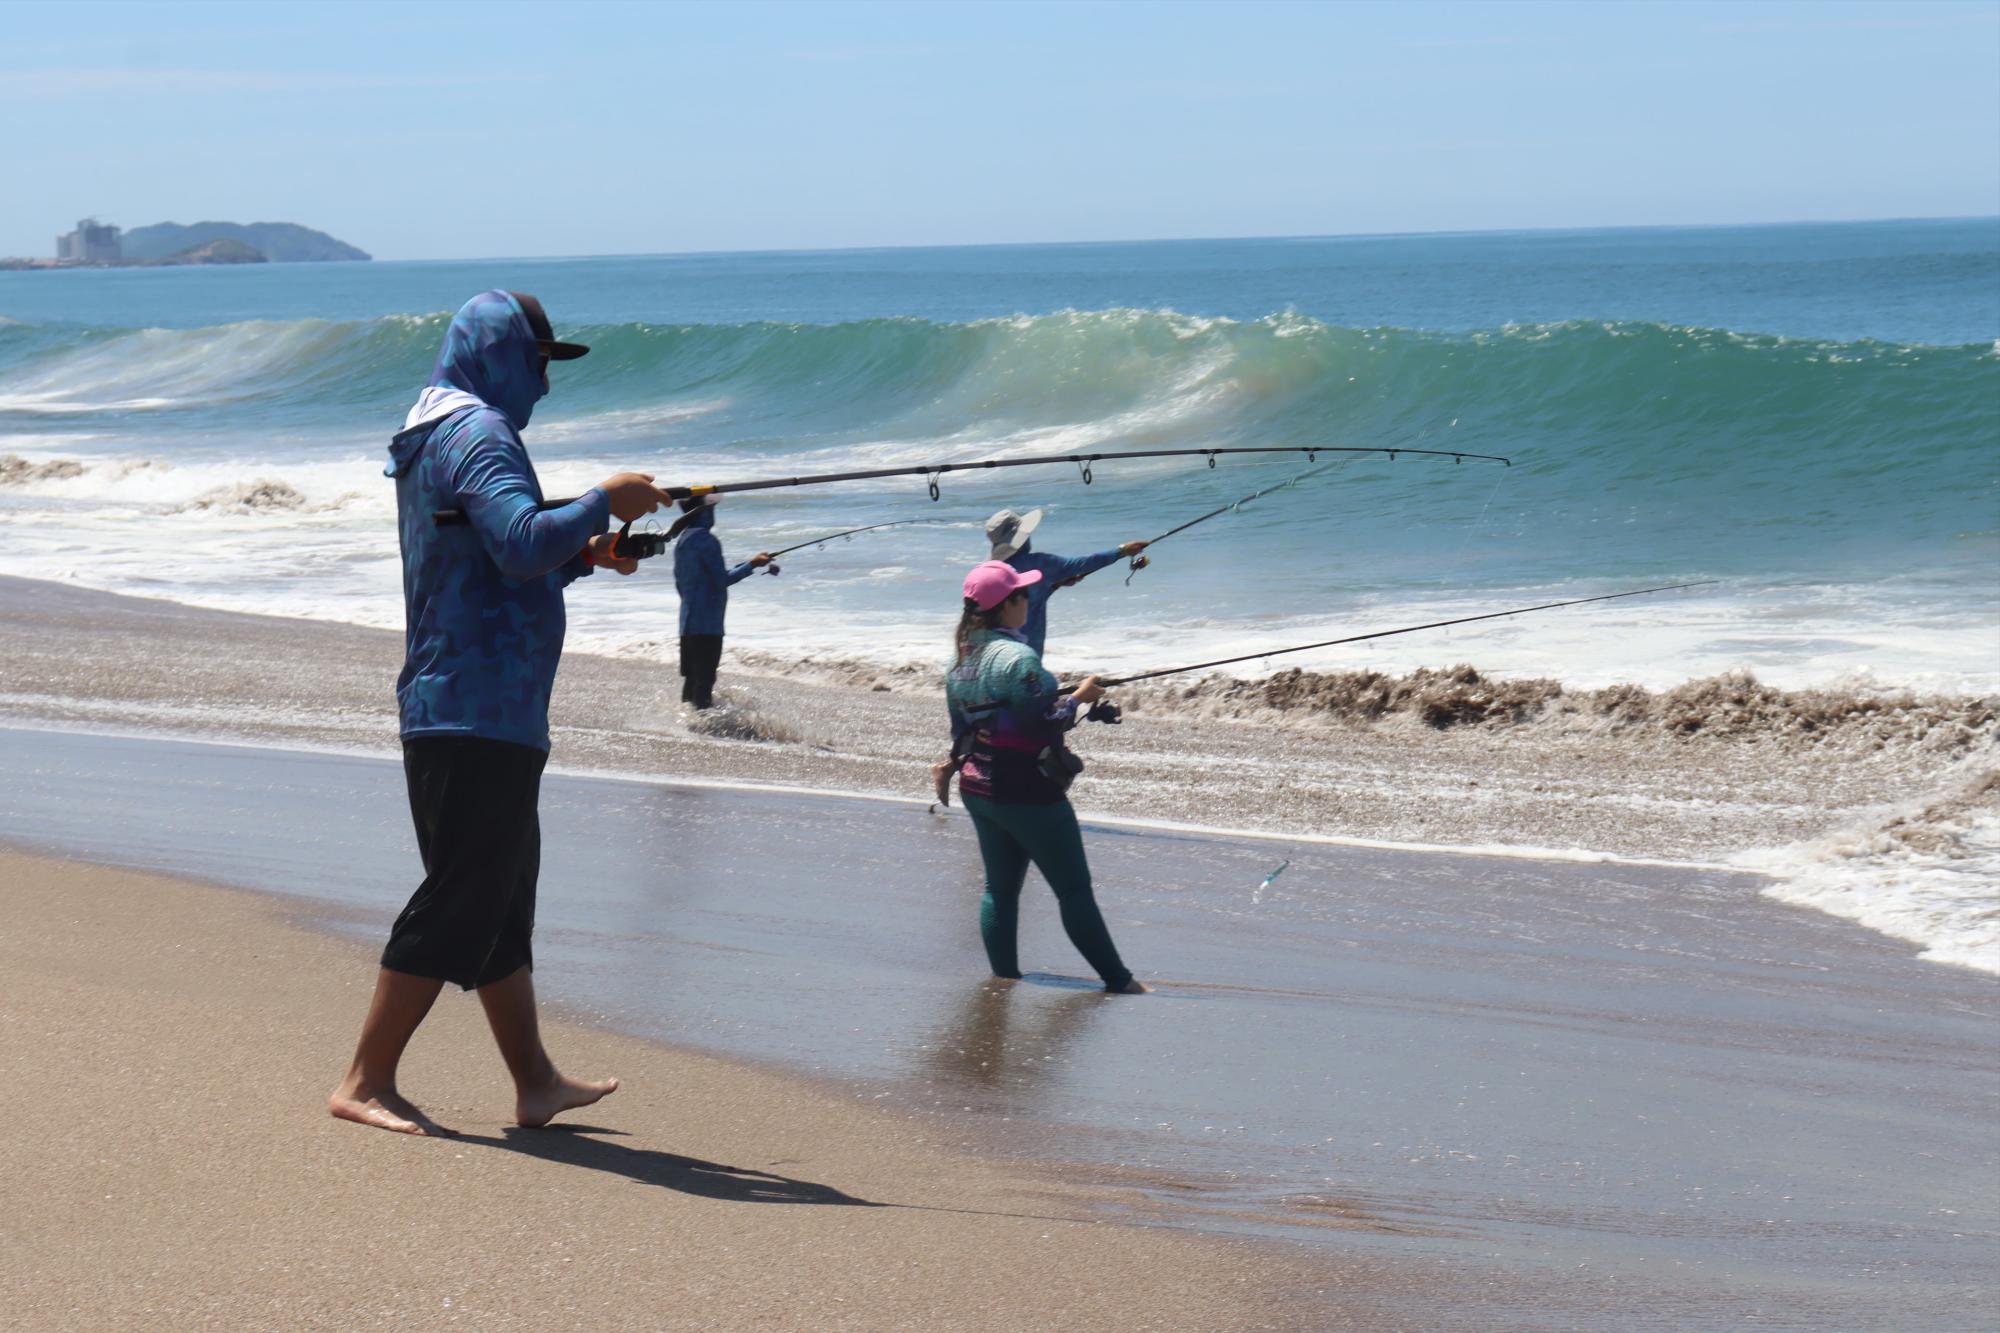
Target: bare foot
[(535, 1107), (380, 1108), (1132, 987)]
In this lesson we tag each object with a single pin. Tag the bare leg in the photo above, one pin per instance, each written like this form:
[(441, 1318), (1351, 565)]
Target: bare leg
[(540, 1092), (368, 1094)]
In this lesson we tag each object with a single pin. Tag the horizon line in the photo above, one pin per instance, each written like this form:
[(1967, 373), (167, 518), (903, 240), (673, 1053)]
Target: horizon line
[(1183, 240), (1443, 233)]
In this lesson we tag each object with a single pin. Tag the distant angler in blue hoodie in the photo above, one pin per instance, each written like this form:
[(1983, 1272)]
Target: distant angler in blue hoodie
[(484, 608), (704, 579)]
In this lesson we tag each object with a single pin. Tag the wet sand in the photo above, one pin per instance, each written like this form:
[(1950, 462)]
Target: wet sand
[(1577, 1095), (168, 1163)]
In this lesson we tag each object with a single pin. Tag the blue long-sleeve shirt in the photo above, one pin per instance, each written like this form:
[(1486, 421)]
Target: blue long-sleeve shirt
[(1056, 571), (483, 600), (702, 578)]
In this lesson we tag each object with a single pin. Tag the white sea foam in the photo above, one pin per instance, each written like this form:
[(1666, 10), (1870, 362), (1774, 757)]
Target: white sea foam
[(640, 423), (1927, 871)]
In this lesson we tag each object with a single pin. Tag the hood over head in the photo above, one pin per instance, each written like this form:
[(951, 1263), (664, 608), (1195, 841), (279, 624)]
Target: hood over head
[(489, 358)]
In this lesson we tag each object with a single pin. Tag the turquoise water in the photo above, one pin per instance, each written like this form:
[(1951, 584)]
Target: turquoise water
[(1810, 413)]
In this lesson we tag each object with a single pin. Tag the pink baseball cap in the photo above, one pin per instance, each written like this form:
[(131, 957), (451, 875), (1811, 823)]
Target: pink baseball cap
[(992, 582)]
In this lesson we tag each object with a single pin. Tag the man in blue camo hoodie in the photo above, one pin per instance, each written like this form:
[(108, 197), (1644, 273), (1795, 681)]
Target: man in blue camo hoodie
[(484, 606)]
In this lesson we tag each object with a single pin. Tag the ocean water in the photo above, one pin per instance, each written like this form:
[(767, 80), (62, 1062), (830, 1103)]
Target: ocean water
[(1809, 415)]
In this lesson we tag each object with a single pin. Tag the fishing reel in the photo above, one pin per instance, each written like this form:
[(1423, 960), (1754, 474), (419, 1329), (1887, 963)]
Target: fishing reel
[(771, 568), (1105, 711), (630, 545), (1139, 562)]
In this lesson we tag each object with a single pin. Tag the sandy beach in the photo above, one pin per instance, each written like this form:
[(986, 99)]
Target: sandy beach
[(1466, 1091), (1618, 1085), (168, 1164)]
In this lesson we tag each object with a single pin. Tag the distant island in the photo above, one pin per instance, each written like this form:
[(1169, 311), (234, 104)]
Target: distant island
[(279, 242), (98, 245), (224, 251)]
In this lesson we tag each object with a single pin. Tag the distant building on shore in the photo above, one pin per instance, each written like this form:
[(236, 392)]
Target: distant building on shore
[(92, 242)]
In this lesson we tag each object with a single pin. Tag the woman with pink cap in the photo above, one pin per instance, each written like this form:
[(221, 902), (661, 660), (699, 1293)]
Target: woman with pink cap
[(1008, 718)]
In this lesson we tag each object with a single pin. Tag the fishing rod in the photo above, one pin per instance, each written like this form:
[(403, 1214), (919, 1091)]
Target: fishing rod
[(645, 545), (1139, 562), (930, 472), (771, 567), (1106, 711), (1386, 633)]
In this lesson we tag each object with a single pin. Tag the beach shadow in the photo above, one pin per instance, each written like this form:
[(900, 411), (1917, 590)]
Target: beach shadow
[(588, 1146)]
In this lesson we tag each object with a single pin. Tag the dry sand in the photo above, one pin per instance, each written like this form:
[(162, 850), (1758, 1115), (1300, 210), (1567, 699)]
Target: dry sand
[(168, 1163)]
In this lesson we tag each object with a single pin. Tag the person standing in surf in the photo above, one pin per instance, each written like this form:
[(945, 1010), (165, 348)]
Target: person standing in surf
[(1008, 534), (704, 582), (485, 622), (1008, 719)]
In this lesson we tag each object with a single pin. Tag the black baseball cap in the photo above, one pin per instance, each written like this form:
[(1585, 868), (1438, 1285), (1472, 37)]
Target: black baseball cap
[(545, 334)]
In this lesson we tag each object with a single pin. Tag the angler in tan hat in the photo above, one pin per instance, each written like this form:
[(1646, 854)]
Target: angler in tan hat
[(1008, 532)]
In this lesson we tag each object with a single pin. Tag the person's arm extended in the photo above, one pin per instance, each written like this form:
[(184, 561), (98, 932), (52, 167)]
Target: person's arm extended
[(490, 478), (742, 571), (1063, 569)]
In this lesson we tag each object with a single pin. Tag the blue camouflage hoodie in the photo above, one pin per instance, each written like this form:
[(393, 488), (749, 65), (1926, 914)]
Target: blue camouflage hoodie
[(700, 576), (483, 600)]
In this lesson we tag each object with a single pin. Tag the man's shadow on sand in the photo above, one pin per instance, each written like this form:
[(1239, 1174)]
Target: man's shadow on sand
[(585, 1146)]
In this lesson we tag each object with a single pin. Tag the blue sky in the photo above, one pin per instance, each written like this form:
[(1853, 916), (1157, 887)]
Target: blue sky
[(483, 129)]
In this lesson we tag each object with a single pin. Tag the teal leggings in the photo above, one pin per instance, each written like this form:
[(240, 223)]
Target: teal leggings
[(1011, 836)]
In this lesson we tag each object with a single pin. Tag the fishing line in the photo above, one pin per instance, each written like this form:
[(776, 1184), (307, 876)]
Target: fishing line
[(1465, 542), (1140, 561), (771, 567), (1406, 629)]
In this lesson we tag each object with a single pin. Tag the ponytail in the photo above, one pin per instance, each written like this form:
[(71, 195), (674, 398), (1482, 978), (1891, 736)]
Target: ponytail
[(972, 621)]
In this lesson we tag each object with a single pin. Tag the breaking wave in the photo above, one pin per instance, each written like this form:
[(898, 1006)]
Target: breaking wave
[(1694, 396)]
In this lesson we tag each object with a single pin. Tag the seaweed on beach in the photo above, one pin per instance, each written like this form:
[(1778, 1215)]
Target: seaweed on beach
[(1727, 707), (1731, 707), (262, 494), (18, 471)]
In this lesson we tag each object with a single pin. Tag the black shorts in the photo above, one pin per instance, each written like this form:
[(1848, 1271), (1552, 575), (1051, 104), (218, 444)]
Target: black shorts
[(473, 801)]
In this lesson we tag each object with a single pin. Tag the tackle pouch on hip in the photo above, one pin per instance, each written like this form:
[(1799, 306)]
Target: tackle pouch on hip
[(1059, 764)]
